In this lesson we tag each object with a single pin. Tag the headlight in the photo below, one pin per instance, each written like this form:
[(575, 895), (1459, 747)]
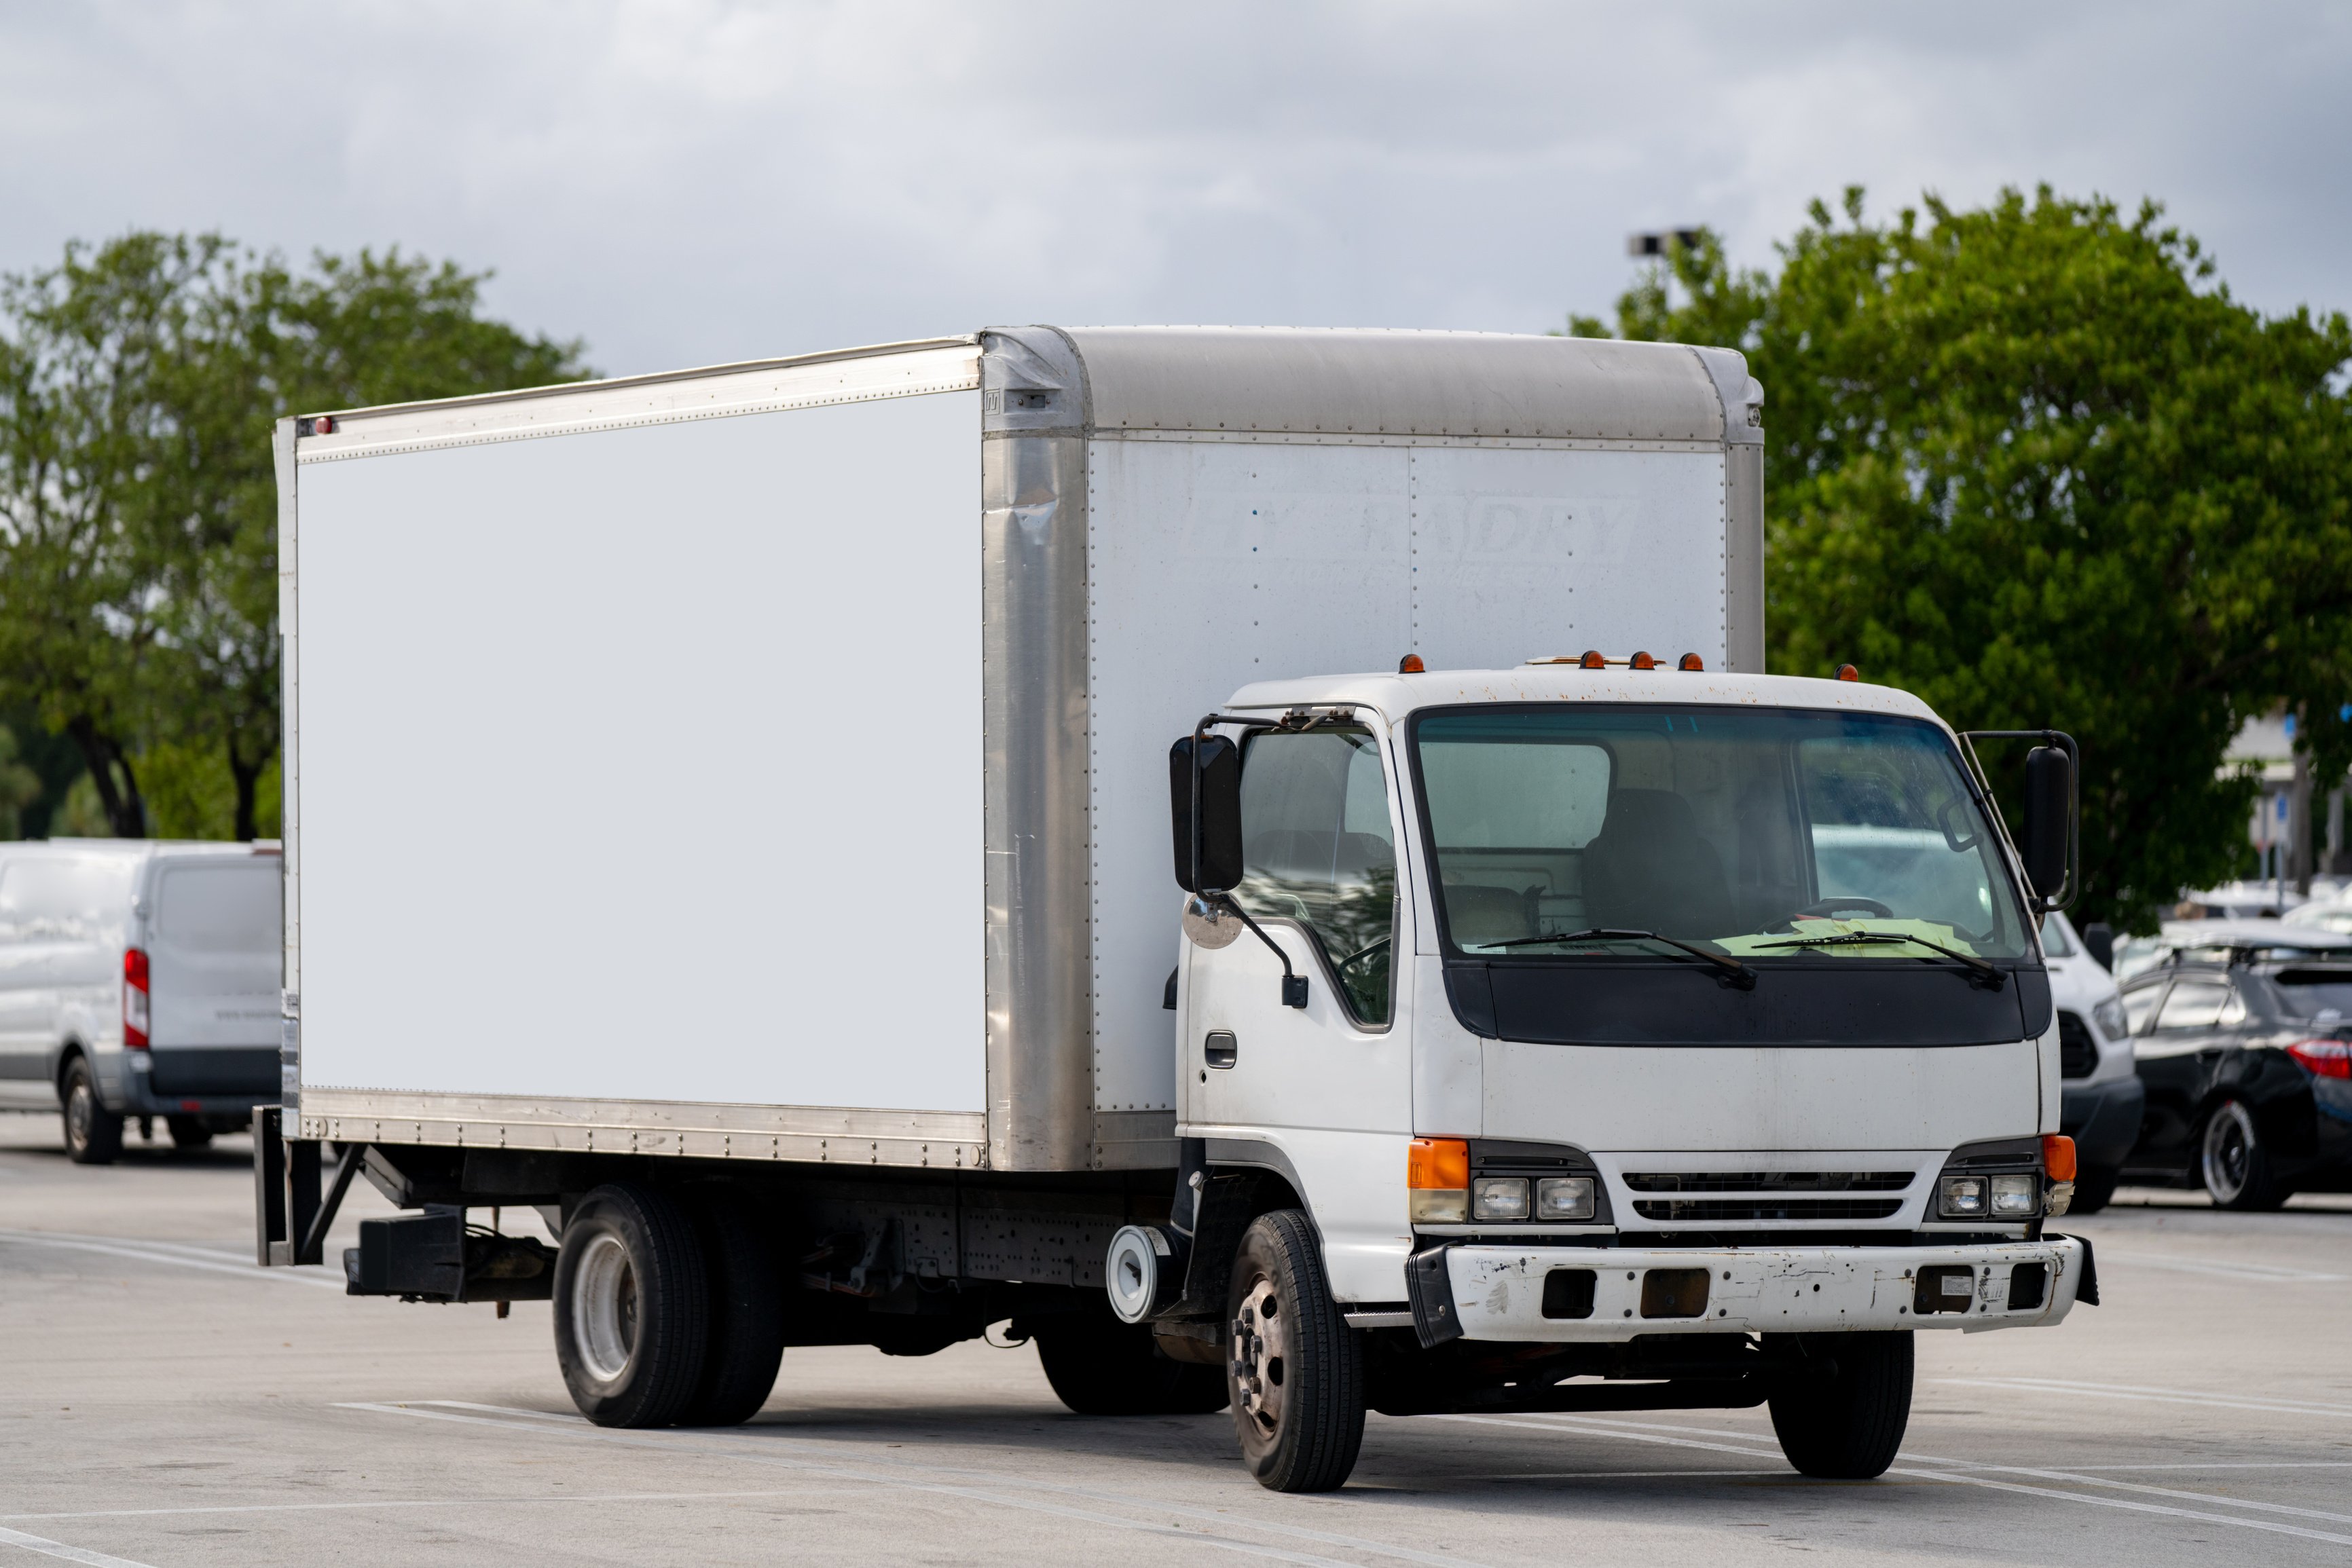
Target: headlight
[(1499, 1197), (2013, 1197), (1564, 1197), (1963, 1197), (2109, 1016)]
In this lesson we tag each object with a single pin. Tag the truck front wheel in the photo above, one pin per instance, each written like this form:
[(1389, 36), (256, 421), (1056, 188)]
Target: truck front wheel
[(1846, 1425), (1296, 1373), (1101, 1366), (632, 1308)]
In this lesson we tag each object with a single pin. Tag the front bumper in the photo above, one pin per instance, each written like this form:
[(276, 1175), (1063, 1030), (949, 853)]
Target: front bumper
[(1498, 1293), (2103, 1119)]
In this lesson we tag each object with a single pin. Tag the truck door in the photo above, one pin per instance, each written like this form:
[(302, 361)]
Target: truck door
[(1330, 1083)]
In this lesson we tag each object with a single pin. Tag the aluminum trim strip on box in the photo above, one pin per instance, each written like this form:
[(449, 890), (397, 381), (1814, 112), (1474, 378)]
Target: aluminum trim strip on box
[(722, 391), (809, 1133)]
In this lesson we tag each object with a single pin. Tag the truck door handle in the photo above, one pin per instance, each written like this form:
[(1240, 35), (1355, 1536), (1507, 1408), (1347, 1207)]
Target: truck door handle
[(1220, 1048)]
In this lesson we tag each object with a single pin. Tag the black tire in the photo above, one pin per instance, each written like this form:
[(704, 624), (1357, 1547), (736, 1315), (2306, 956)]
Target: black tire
[(1848, 1425), (747, 1310), (632, 1307), (189, 1133), (1296, 1371), (2235, 1164), (93, 1133), (2093, 1190), (1101, 1366)]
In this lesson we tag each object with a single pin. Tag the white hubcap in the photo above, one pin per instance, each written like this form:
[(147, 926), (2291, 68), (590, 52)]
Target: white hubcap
[(1261, 1346), (604, 1308)]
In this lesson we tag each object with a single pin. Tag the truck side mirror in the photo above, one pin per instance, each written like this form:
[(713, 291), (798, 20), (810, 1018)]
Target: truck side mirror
[(2099, 942), (1208, 842), (2049, 820)]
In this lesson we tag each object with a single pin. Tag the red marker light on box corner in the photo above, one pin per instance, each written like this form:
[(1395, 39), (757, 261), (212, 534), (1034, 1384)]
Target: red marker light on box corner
[(2323, 1058), (136, 1017)]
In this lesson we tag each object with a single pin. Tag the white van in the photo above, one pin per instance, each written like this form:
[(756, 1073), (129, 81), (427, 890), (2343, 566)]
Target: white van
[(139, 978)]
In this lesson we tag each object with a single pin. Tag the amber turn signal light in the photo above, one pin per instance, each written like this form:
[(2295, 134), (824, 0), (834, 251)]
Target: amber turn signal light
[(1411, 664), (1642, 662), (2058, 1156), (1848, 673), (1437, 1173), (1693, 661), (1593, 660)]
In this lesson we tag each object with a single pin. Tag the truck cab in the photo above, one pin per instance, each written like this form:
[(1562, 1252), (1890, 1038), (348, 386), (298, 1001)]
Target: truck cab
[(1656, 1021)]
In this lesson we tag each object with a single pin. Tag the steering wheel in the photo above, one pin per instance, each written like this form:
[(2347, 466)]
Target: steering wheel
[(1828, 907), (1361, 954)]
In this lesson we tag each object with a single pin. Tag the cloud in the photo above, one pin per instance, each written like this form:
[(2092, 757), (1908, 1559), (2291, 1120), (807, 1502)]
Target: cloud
[(700, 181)]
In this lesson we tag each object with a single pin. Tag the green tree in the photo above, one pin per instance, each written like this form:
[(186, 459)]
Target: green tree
[(2033, 462), (139, 381)]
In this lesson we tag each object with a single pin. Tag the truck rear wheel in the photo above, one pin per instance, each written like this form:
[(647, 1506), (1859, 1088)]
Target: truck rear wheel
[(632, 1307), (1101, 1366), (1847, 1425), (93, 1133), (1297, 1374), (747, 1310)]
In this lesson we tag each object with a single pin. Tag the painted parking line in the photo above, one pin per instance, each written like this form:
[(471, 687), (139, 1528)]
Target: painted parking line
[(1006, 1492), (59, 1549), (2142, 1394), (2265, 1274), (402, 1502), (1957, 1473), (171, 1255)]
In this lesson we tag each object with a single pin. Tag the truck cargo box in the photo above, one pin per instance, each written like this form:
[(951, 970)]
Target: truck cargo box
[(768, 762)]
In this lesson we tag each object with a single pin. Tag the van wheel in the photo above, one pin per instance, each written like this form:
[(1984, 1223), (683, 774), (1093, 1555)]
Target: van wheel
[(189, 1133), (747, 1310), (1101, 1366), (2236, 1164), (93, 1133), (1847, 1427), (632, 1308), (1296, 1372)]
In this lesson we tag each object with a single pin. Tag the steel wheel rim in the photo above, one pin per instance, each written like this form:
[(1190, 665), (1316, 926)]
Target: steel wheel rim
[(78, 1101), (1261, 1336), (604, 1308), (2228, 1152)]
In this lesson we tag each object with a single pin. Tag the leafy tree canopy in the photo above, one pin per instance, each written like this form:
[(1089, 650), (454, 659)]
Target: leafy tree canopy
[(2034, 464), (140, 380)]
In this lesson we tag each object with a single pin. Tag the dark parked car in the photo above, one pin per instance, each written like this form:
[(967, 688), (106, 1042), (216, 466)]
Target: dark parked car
[(2244, 1049)]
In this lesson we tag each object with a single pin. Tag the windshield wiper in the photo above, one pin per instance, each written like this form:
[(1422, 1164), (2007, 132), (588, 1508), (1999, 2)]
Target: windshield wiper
[(1734, 972), (1985, 975)]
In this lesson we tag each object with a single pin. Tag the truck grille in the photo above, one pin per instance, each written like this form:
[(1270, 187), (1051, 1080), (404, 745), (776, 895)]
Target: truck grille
[(2078, 1053), (1769, 1181), (1765, 1208)]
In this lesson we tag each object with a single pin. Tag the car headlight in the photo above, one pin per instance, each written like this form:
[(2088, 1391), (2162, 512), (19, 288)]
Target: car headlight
[(1499, 1197), (2109, 1016), (2013, 1197), (1564, 1197), (1962, 1198)]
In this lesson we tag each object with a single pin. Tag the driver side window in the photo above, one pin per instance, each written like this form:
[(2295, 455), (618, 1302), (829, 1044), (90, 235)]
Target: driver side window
[(1319, 850)]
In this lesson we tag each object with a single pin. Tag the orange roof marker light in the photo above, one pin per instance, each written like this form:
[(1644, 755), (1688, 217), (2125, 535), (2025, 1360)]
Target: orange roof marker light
[(1848, 673), (1692, 661), (1411, 664), (1593, 660), (1642, 662)]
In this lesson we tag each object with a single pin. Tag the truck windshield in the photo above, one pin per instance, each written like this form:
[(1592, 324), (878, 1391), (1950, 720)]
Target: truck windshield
[(1745, 831)]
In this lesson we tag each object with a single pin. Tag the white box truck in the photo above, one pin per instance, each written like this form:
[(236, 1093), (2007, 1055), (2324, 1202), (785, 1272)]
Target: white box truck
[(1558, 1014)]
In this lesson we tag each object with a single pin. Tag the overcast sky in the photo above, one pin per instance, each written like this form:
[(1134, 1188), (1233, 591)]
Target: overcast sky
[(693, 182)]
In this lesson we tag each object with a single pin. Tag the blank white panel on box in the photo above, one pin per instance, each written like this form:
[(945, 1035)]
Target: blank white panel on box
[(1210, 565), (1524, 554), (670, 824)]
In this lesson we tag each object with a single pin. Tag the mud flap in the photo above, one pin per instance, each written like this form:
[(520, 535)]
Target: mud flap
[(1431, 1286)]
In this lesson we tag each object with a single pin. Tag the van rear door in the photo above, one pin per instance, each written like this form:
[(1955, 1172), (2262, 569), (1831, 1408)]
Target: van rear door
[(213, 953)]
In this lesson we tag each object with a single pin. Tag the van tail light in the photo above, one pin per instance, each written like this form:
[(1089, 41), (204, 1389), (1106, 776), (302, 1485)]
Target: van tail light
[(2323, 1058), (135, 1018)]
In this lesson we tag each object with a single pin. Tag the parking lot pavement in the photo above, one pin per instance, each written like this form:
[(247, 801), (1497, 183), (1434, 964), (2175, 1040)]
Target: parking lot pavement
[(164, 1403)]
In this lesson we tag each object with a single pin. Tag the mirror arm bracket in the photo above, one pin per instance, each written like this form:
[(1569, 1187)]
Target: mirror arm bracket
[(1294, 985)]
